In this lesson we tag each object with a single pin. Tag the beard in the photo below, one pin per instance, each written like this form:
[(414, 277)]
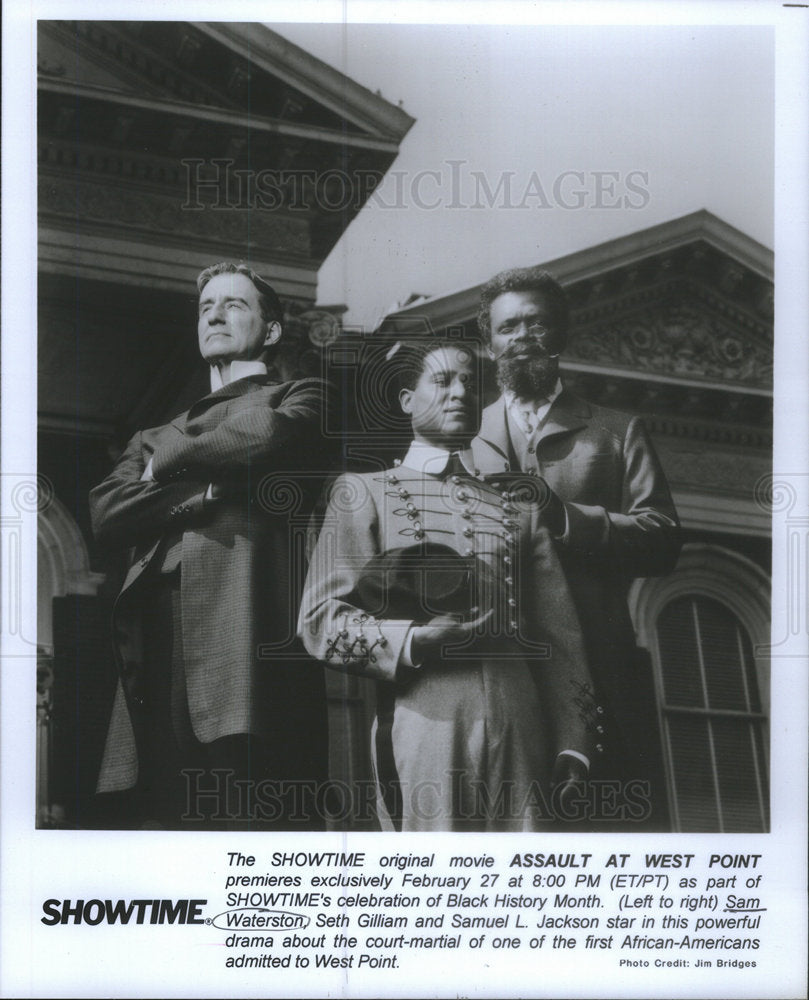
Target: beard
[(532, 376)]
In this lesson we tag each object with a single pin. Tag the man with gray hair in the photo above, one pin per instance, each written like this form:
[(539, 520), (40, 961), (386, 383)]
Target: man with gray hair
[(215, 694), (605, 497)]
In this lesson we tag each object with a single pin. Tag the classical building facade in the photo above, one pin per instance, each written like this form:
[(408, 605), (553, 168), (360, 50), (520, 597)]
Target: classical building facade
[(163, 147), (676, 323)]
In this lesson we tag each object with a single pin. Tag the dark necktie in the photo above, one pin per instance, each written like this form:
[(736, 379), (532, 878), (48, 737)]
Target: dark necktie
[(455, 466)]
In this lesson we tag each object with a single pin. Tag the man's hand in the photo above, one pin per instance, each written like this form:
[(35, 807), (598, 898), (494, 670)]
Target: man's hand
[(567, 785), (443, 630)]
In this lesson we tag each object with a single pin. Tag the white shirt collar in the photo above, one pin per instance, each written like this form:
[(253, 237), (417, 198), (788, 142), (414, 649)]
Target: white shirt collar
[(238, 369), (427, 458), (534, 404)]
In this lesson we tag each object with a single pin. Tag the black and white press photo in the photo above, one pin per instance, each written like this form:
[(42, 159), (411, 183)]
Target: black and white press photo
[(202, 192), (404, 498)]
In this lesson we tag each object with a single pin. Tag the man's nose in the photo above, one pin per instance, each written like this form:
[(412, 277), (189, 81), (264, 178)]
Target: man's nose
[(216, 314), (520, 329)]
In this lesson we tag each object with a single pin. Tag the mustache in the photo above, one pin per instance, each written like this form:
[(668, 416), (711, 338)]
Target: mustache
[(524, 345)]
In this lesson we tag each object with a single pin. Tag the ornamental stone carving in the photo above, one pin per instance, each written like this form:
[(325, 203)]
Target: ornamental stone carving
[(678, 339), (729, 472), (122, 208), (307, 334)]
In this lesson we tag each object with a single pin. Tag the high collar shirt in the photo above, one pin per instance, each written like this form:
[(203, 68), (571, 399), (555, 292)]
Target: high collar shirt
[(529, 415), (238, 369), (428, 458)]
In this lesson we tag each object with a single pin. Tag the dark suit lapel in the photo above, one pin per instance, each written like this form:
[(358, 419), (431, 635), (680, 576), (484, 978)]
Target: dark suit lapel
[(180, 422), (240, 387), (493, 448), (567, 413), (493, 431)]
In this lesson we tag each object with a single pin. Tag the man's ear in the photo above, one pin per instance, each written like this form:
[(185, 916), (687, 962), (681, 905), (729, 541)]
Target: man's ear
[(406, 400), (490, 352), (273, 334)]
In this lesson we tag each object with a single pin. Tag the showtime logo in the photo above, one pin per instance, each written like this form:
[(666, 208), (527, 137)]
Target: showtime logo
[(121, 911)]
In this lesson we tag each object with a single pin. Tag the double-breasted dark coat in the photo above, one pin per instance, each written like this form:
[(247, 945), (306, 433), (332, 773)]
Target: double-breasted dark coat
[(262, 443)]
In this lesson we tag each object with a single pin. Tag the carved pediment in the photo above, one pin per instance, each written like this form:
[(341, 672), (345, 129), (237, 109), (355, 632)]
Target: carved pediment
[(682, 334), (697, 312)]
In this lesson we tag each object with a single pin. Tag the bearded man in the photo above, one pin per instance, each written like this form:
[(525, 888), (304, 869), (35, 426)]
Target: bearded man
[(606, 500)]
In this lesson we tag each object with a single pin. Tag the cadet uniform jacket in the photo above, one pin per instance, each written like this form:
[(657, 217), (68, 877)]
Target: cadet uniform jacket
[(491, 715)]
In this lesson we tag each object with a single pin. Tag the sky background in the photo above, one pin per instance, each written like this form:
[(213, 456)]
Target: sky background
[(689, 107)]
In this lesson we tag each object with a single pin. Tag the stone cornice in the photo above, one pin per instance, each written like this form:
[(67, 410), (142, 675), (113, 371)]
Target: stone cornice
[(701, 430), (662, 239), (60, 157), (230, 120), (273, 53), (151, 263), (137, 67), (655, 381), (695, 412), (196, 63), (112, 209)]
